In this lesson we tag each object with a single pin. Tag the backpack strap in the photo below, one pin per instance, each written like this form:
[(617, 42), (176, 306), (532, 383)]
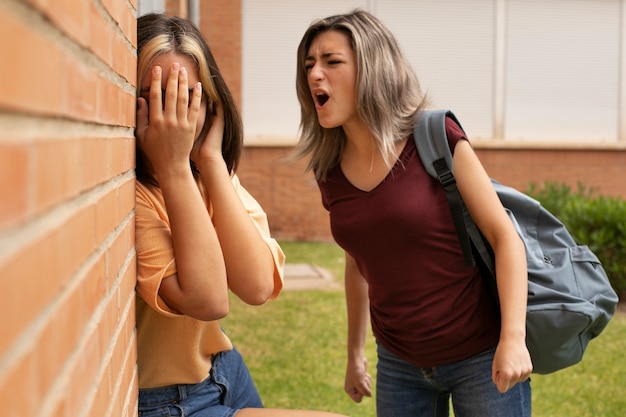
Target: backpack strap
[(434, 150), (431, 141)]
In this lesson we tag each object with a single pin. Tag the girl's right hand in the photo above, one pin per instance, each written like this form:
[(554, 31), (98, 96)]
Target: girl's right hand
[(358, 383), (166, 126)]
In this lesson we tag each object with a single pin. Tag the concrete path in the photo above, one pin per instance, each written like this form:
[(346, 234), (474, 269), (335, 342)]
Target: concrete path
[(307, 277)]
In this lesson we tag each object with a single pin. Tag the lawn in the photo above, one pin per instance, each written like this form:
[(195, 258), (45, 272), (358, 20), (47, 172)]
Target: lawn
[(295, 349)]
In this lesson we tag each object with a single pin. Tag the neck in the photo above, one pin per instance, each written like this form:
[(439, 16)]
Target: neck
[(359, 139)]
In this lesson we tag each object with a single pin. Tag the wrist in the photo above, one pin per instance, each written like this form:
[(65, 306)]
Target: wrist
[(356, 355), (210, 164), (513, 335), (168, 172)]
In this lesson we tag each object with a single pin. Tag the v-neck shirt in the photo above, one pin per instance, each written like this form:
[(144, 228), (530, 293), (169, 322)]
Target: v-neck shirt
[(427, 306)]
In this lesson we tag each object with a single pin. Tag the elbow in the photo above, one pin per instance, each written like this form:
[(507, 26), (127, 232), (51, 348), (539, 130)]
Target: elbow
[(205, 308), (258, 294), (259, 299), (215, 311), (205, 303)]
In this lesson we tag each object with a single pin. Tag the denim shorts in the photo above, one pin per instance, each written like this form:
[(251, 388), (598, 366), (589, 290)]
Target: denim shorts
[(227, 389), (404, 390)]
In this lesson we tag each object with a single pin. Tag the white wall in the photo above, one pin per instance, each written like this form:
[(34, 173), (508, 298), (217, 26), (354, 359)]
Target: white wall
[(518, 70)]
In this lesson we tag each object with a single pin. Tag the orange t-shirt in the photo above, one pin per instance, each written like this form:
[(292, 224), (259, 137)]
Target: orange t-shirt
[(174, 348)]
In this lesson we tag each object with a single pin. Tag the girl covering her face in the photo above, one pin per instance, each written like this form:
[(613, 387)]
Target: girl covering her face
[(199, 233)]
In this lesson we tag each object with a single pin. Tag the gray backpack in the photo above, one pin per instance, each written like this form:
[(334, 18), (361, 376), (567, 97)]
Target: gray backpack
[(570, 298)]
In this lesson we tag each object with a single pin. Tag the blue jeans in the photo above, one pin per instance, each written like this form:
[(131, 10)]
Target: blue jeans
[(227, 389), (404, 390)]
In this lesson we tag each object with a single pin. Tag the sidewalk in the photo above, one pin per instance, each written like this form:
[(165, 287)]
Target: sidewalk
[(306, 277)]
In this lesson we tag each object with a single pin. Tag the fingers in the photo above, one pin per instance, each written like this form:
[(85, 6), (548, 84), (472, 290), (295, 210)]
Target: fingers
[(183, 95), (358, 385), (142, 118), (171, 90), (357, 394), (194, 105), (503, 384), (155, 99), (174, 103)]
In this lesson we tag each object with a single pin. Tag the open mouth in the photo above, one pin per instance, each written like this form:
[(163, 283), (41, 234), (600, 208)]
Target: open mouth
[(322, 99)]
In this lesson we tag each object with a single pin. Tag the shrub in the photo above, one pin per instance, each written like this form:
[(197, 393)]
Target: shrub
[(596, 221)]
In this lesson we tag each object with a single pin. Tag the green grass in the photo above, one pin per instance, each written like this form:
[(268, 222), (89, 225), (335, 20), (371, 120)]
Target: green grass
[(295, 349)]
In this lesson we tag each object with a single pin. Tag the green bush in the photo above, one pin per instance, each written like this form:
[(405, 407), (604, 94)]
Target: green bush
[(596, 221)]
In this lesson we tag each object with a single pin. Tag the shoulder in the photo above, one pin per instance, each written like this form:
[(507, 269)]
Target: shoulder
[(147, 195), (453, 130), (455, 133)]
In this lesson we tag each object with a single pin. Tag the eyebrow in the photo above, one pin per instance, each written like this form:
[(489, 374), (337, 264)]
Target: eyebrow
[(324, 55)]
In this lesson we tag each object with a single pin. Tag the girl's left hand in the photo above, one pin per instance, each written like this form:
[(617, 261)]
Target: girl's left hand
[(209, 148), (511, 365)]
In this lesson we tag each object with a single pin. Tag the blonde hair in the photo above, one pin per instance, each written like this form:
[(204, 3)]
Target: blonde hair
[(158, 34), (388, 94)]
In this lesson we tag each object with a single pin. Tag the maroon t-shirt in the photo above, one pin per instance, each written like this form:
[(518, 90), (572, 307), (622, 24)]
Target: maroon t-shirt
[(427, 306)]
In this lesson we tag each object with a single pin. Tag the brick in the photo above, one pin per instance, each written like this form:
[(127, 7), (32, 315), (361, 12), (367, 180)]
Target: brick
[(79, 91), (118, 252), (77, 239), (95, 161), (126, 198), (57, 167), (94, 287), (220, 22), (14, 182), (17, 390), (69, 16), (107, 214), (124, 16), (58, 340), (101, 404), (86, 369), (81, 83), (25, 291), (27, 83), (44, 267), (121, 155)]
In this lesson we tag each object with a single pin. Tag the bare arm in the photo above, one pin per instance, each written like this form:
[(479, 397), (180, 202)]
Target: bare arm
[(358, 382), (512, 363), (249, 263), (199, 288)]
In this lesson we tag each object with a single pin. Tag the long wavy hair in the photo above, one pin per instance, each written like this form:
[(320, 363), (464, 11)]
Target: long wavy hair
[(387, 89), (158, 34)]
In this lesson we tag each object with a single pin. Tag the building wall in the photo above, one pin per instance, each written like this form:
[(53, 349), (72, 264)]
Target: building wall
[(67, 262), (220, 23)]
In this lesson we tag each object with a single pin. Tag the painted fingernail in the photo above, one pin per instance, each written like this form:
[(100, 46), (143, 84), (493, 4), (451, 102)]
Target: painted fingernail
[(156, 70), (175, 66), (183, 71), (198, 86)]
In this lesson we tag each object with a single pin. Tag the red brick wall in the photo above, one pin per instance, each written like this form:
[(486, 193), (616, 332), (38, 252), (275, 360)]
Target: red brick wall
[(176, 8), (292, 200), (220, 22), (67, 265)]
